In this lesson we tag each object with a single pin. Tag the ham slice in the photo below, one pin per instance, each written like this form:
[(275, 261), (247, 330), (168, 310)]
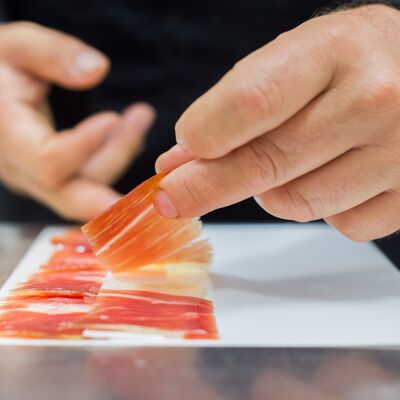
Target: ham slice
[(51, 303), (132, 234), (148, 312), (159, 271)]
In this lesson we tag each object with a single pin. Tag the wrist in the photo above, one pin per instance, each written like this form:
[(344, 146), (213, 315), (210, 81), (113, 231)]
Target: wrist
[(363, 3), (381, 15), (356, 4)]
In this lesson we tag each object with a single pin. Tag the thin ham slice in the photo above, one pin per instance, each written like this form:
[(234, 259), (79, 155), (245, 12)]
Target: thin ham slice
[(132, 234)]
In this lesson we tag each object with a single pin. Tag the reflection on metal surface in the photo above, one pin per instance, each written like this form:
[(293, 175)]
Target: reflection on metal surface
[(212, 374), (14, 241)]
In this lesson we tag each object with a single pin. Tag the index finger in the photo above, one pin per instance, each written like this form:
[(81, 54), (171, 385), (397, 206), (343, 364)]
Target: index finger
[(52, 55), (259, 93)]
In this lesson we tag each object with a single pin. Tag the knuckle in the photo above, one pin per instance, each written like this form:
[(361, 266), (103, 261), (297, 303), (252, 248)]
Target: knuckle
[(338, 35), (49, 170), (197, 193), (338, 29), (194, 145), (200, 191), (48, 178), (383, 95), (255, 99), (263, 165), (297, 206)]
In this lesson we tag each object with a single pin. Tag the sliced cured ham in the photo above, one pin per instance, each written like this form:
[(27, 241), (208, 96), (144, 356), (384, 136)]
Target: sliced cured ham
[(50, 303), (152, 312), (144, 275), (159, 270), (132, 234), (40, 325), (73, 239), (61, 284)]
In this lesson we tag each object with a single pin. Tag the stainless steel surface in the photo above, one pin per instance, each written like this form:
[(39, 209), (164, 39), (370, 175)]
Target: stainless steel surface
[(14, 241), (206, 374)]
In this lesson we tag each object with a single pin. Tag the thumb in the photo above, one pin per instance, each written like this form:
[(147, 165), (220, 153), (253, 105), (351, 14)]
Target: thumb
[(52, 55)]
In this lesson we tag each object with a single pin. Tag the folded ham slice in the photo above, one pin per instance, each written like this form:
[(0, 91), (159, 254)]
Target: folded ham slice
[(132, 234)]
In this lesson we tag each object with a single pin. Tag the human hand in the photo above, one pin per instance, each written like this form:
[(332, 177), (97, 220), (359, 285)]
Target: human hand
[(68, 171), (308, 124)]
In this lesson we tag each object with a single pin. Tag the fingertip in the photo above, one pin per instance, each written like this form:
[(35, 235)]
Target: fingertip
[(172, 159), (142, 106), (164, 205), (166, 162), (159, 166), (141, 116), (179, 125), (88, 67), (90, 199), (108, 198), (181, 193)]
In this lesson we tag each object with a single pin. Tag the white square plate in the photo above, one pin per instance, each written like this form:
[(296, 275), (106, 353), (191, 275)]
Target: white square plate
[(278, 285)]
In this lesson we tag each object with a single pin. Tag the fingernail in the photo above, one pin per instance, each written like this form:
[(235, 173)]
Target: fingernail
[(179, 123), (163, 162), (158, 165), (87, 61), (163, 205), (179, 128), (171, 159)]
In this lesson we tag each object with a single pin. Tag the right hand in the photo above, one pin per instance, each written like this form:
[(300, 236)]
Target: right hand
[(68, 171)]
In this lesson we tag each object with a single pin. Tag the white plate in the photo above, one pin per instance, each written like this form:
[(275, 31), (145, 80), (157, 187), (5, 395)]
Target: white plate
[(285, 285)]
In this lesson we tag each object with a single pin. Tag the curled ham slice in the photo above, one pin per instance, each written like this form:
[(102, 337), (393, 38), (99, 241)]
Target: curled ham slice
[(132, 234)]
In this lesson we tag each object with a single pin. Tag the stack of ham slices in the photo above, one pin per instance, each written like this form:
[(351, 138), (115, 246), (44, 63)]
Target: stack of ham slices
[(52, 302), (141, 274)]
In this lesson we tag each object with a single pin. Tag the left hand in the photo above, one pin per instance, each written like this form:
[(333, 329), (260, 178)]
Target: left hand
[(308, 124), (69, 171)]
